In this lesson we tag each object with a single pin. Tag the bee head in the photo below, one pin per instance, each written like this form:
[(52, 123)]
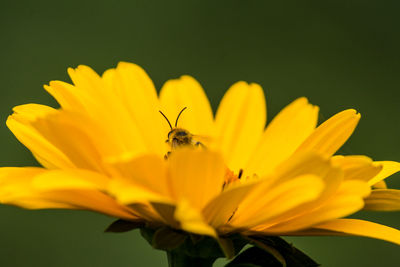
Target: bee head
[(177, 133)]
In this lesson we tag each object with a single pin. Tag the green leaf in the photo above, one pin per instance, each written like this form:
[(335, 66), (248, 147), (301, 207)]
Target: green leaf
[(292, 256), (121, 226), (271, 251), (227, 247), (185, 247), (196, 238), (254, 257), (177, 259), (207, 247), (167, 239)]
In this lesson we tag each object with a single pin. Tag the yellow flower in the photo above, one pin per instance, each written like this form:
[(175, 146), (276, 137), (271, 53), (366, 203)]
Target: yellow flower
[(104, 150)]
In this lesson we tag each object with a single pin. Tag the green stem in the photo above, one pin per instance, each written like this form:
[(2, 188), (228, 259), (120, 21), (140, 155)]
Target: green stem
[(176, 259)]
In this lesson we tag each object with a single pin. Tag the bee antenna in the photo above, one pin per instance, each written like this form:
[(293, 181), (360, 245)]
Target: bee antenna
[(177, 118), (166, 119)]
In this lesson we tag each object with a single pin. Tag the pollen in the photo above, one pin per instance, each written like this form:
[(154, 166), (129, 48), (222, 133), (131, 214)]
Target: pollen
[(231, 177)]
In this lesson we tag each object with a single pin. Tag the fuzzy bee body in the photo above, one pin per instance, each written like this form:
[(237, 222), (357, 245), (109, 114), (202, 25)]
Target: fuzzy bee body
[(179, 137)]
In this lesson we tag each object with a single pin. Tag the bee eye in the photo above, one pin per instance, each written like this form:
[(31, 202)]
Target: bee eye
[(166, 141)]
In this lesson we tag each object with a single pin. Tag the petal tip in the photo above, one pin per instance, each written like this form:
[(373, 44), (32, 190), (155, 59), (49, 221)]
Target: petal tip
[(70, 71)]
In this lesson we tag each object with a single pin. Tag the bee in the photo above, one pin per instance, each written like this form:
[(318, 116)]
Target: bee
[(178, 137)]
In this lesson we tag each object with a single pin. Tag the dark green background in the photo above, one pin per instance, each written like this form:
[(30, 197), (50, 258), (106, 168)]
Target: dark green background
[(340, 54)]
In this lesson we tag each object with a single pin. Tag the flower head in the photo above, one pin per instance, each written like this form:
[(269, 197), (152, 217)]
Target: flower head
[(105, 150)]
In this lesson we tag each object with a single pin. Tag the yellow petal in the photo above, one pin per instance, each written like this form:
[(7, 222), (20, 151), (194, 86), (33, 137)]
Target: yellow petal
[(332, 134), (140, 180), (91, 102), (86, 79), (88, 200), (148, 172), (309, 164), (221, 209), (388, 168), (359, 228), (183, 216), (196, 176), (20, 123), (380, 185), (166, 212), (348, 200), (121, 123), (240, 122), (130, 194), (354, 187), (141, 183), (36, 188), (283, 136), (192, 176), (16, 181), (191, 220), (146, 211), (280, 199), (70, 179), (383, 200), (30, 112), (123, 103), (339, 208), (90, 93), (69, 97), (137, 93), (78, 138), (357, 167), (187, 92)]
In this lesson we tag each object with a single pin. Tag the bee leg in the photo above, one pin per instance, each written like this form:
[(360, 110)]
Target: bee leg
[(167, 155), (200, 144)]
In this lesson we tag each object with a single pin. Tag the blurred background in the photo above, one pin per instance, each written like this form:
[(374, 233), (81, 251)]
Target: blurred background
[(340, 54)]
